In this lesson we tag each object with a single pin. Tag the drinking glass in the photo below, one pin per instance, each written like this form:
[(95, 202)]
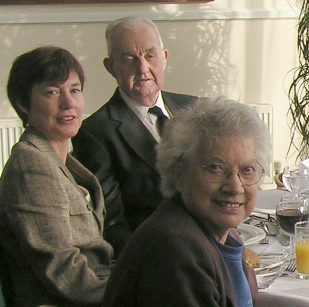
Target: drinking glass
[(289, 211), (302, 249), (295, 179), (286, 177)]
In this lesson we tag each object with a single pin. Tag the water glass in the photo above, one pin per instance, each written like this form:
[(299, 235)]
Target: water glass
[(296, 178)]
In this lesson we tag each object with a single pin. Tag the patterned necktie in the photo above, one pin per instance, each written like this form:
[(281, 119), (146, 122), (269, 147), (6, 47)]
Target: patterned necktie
[(161, 118)]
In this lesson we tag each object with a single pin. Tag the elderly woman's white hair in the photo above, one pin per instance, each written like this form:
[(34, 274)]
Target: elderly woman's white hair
[(204, 122)]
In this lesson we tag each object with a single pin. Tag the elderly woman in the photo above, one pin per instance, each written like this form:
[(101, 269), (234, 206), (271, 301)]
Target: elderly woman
[(212, 158), (51, 207)]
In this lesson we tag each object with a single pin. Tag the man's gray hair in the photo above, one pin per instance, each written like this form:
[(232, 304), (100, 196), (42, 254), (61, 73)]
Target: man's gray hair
[(206, 121), (131, 22)]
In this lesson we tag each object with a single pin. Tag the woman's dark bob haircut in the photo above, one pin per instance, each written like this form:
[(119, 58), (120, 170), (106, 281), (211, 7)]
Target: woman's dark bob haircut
[(43, 64)]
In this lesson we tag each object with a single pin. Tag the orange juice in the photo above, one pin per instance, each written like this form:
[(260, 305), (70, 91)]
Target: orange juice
[(302, 256)]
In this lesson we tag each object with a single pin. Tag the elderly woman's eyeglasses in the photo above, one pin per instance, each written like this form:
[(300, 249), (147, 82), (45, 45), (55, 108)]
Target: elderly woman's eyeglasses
[(248, 175)]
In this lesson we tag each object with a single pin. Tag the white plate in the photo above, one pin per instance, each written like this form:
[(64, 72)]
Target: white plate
[(271, 256), (251, 234)]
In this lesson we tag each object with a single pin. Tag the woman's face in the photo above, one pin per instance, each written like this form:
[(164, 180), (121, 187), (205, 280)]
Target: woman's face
[(56, 108), (219, 205)]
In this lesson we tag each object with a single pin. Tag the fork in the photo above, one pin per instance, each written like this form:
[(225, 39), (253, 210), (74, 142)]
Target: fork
[(291, 267), (264, 241)]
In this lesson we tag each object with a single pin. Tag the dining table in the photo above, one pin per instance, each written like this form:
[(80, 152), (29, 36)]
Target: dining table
[(286, 290)]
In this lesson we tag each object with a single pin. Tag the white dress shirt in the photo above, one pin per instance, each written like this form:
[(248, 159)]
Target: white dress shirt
[(149, 120)]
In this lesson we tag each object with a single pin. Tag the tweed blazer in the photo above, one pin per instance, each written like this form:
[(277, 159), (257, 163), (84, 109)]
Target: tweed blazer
[(171, 261), (50, 234), (117, 147)]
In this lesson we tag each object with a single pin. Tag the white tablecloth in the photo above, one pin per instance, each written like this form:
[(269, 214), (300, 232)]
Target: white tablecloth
[(286, 291)]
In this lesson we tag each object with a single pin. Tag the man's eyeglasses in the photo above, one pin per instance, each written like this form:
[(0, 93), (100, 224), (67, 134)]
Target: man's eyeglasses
[(248, 175)]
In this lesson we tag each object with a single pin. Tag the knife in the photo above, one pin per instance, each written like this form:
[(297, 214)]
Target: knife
[(268, 267)]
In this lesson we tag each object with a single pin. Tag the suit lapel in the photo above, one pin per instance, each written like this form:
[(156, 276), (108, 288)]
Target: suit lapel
[(173, 102), (133, 131)]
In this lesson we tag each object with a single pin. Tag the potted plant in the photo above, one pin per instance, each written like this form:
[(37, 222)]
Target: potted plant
[(298, 91)]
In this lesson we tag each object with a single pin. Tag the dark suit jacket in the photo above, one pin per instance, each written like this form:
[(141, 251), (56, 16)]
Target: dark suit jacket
[(171, 260), (50, 234), (116, 146)]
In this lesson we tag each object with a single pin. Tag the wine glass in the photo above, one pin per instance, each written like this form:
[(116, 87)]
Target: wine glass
[(296, 179), (289, 211), (286, 176)]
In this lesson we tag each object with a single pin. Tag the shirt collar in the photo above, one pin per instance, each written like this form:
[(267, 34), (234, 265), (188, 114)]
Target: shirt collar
[(140, 110)]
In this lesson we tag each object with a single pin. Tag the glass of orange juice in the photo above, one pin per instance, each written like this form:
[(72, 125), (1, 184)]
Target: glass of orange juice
[(302, 249)]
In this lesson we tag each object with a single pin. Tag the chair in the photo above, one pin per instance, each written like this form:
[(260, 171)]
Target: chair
[(10, 132)]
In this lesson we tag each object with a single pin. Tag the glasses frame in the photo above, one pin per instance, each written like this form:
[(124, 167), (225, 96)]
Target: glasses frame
[(230, 171)]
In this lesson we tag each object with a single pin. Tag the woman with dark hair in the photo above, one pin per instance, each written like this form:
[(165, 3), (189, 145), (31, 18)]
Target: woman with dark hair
[(51, 207)]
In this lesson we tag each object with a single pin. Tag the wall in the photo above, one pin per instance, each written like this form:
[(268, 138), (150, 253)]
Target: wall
[(243, 49)]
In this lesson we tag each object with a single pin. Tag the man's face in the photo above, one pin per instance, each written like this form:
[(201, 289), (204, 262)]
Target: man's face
[(138, 63)]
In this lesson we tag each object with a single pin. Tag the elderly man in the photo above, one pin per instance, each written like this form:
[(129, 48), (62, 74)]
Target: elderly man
[(117, 143)]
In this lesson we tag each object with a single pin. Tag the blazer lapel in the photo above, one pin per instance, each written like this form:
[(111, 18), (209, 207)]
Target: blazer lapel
[(133, 131), (39, 141), (73, 170), (87, 180)]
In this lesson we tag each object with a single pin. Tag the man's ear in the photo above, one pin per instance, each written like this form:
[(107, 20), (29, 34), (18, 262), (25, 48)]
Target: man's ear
[(165, 56), (108, 64)]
